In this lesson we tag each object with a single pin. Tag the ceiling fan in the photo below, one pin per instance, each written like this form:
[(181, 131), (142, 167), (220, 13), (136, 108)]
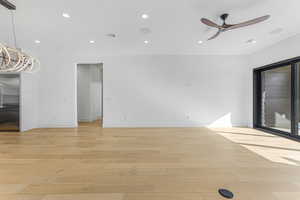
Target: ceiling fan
[(228, 27)]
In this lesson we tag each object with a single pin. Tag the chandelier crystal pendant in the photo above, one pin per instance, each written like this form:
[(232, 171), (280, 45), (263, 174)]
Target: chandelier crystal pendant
[(13, 59)]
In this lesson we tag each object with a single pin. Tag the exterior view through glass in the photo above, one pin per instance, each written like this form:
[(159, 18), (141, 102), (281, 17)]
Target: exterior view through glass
[(276, 98), (276, 102)]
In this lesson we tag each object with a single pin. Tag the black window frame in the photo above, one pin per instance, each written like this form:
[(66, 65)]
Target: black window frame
[(295, 115)]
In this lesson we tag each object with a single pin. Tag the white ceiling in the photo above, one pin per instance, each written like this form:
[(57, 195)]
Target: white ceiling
[(175, 25)]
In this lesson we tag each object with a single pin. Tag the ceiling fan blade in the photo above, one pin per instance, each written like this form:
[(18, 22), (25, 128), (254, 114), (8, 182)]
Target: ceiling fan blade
[(209, 23), (216, 35), (248, 23)]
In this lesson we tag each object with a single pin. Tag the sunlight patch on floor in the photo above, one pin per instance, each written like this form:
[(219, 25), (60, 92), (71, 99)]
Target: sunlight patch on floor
[(271, 147)]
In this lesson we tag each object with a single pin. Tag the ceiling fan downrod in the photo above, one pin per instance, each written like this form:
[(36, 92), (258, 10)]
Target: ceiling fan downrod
[(224, 17)]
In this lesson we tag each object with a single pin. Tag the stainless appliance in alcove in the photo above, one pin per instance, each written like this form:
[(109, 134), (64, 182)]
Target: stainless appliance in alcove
[(9, 102)]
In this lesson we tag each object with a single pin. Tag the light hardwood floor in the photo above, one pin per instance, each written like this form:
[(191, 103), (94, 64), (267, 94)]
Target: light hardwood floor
[(91, 163)]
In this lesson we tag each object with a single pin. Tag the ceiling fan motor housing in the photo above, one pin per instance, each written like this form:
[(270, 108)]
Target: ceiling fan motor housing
[(224, 17)]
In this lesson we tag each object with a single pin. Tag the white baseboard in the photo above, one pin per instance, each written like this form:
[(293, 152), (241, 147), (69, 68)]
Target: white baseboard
[(144, 125), (58, 125), (166, 125)]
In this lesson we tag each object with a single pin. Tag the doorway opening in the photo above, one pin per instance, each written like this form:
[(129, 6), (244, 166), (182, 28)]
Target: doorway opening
[(90, 93)]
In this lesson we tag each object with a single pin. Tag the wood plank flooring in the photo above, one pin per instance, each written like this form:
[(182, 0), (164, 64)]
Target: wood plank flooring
[(91, 163)]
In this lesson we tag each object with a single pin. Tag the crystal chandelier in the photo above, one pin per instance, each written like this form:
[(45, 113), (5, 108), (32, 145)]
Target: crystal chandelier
[(13, 59)]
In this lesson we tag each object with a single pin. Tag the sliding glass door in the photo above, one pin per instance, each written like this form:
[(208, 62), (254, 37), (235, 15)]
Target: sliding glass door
[(297, 101), (277, 98), (298, 121)]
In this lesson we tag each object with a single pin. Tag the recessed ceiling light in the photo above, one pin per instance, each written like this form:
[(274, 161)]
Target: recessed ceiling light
[(146, 42), (66, 15), (200, 42), (251, 41), (145, 16), (92, 42), (37, 41)]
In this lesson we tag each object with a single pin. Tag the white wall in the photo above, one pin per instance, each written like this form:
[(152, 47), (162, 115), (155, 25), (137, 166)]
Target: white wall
[(151, 91), (57, 90), (29, 101), (160, 90), (283, 50)]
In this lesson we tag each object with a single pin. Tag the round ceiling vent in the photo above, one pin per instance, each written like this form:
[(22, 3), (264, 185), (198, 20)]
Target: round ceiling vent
[(145, 30), (251, 41), (276, 31)]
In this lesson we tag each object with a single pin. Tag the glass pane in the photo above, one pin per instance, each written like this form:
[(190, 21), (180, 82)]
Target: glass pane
[(299, 110), (298, 100), (276, 98), (9, 102)]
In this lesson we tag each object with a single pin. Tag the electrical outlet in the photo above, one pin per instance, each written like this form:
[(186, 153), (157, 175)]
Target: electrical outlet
[(188, 117)]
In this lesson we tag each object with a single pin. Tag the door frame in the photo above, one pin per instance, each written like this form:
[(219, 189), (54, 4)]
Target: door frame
[(76, 89), (257, 91)]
